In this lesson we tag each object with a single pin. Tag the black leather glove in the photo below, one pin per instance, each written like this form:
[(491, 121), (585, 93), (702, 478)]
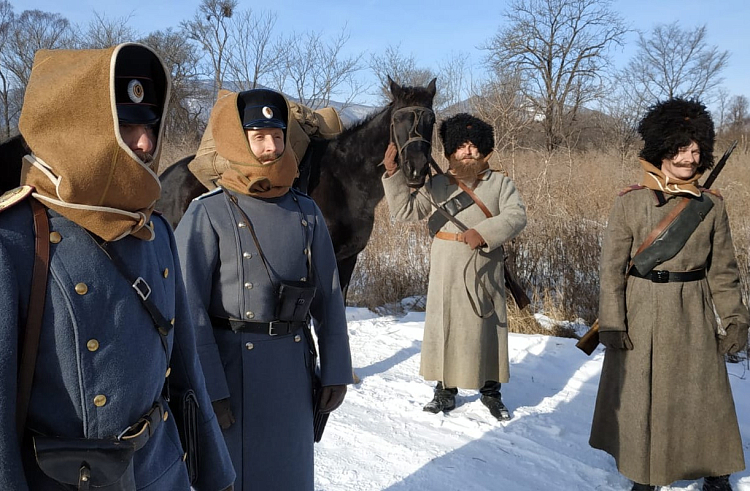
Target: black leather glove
[(735, 340), (615, 339), (331, 397), (223, 413)]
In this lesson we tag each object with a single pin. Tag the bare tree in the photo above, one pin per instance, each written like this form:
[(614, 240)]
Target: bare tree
[(210, 30), (674, 61), (738, 108), (31, 31), (501, 102), (7, 17), (560, 49), (402, 69), (315, 70), (455, 81), (254, 57), (103, 32)]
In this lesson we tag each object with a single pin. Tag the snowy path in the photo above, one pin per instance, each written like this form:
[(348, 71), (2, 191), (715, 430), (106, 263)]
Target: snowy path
[(380, 439)]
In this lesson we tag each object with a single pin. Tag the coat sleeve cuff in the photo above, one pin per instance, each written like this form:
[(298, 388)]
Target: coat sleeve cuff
[(215, 470)]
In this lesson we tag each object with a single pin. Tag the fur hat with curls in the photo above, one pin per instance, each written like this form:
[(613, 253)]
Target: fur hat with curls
[(462, 128), (674, 124)]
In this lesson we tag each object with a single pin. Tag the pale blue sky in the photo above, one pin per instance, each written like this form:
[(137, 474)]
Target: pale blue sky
[(432, 31)]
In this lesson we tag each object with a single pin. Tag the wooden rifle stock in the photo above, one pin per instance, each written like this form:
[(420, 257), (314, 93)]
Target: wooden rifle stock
[(590, 340), (515, 289)]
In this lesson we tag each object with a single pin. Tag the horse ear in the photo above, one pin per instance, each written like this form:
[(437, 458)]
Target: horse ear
[(431, 86), (395, 88)]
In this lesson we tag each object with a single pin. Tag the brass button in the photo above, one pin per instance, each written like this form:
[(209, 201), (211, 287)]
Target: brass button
[(92, 345), (249, 346), (304, 278), (169, 370), (304, 222), (55, 237), (249, 286), (166, 415), (100, 400), (172, 321), (247, 255), (166, 272), (304, 251), (249, 314), (242, 225), (297, 338), (81, 288)]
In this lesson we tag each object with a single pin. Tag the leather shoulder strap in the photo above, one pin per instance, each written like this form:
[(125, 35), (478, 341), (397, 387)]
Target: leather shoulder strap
[(30, 336), (472, 194), (663, 224)]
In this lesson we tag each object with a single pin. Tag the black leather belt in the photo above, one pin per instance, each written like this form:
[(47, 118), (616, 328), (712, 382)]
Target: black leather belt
[(139, 433), (273, 328), (658, 276)]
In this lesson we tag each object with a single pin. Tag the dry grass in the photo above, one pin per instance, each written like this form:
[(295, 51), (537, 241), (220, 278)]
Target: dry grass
[(568, 197)]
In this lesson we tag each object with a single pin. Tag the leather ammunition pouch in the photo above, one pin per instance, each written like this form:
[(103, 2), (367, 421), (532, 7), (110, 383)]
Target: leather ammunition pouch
[(454, 205), (87, 463), (185, 411), (674, 236), (294, 301)]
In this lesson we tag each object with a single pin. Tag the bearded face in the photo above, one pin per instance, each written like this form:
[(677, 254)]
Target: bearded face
[(466, 162)]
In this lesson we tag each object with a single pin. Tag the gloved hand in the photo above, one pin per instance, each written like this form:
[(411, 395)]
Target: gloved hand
[(331, 397), (615, 340), (389, 160), (223, 413), (473, 238), (735, 339)]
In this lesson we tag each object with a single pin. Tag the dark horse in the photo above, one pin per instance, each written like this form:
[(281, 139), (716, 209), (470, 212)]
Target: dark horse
[(12, 151), (344, 174)]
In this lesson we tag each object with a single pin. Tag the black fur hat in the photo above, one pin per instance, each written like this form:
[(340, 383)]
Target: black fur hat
[(673, 124), (462, 128)]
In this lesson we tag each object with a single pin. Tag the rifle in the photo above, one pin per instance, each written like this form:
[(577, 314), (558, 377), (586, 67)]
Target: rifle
[(511, 283), (590, 340)]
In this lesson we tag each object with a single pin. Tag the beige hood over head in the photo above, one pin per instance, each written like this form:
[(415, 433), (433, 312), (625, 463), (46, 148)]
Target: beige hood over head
[(80, 165)]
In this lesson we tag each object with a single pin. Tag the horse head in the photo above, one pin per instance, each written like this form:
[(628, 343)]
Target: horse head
[(412, 122)]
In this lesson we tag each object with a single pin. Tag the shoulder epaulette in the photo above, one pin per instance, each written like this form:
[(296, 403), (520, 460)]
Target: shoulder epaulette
[(15, 196), (633, 187), (715, 192), (209, 193)]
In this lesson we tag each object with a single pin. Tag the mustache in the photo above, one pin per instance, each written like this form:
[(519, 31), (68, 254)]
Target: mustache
[(268, 157), (145, 157)]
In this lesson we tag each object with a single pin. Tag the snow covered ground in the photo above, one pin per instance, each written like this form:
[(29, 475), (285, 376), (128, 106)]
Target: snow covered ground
[(380, 439)]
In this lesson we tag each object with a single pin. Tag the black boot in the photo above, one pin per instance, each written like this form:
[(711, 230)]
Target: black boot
[(716, 483), (491, 398), (444, 400), (642, 487)]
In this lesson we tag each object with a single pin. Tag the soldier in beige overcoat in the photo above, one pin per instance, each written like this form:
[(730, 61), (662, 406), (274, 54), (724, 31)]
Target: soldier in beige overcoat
[(664, 409), (461, 349)]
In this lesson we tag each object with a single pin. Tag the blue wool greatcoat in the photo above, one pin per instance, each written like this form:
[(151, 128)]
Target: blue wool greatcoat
[(99, 342), (267, 378)]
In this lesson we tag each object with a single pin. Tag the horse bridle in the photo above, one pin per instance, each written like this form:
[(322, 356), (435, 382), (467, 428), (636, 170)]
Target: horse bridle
[(414, 135)]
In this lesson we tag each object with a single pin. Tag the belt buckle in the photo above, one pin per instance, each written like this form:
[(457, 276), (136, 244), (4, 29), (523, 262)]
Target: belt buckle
[(139, 285), (660, 276), (271, 329)]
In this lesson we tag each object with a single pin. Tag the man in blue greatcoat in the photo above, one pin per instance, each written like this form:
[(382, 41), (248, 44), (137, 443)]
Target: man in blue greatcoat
[(238, 245), (93, 122)]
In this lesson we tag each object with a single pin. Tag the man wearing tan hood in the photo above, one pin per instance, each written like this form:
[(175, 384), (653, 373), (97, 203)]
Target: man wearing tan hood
[(258, 264), (116, 351)]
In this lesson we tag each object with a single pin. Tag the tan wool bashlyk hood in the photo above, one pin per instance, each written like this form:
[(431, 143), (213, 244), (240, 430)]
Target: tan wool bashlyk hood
[(79, 164), (242, 171)]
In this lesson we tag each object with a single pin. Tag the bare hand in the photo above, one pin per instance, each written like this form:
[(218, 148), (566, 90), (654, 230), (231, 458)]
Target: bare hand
[(331, 397), (473, 238), (389, 160)]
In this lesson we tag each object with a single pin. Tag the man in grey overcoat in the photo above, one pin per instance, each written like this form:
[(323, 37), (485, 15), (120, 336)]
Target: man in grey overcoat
[(460, 349), (238, 244), (116, 337), (664, 409)]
